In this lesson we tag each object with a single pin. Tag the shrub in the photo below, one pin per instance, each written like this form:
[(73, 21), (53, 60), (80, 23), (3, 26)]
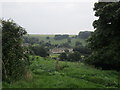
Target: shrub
[(40, 51), (14, 54), (74, 56)]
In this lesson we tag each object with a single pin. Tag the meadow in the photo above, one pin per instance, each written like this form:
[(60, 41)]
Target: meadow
[(49, 73)]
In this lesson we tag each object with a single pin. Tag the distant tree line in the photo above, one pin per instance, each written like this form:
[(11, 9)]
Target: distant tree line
[(81, 34), (60, 37)]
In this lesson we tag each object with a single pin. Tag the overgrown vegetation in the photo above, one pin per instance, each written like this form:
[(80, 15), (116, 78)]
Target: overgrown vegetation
[(48, 73)]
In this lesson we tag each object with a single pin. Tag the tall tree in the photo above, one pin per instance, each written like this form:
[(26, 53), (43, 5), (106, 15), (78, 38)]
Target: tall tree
[(14, 57), (105, 41)]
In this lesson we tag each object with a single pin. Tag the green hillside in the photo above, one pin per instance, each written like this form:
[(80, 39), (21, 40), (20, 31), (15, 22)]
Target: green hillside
[(53, 41), (48, 73)]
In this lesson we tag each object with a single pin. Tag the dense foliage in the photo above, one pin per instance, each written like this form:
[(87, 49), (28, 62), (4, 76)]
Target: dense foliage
[(76, 56), (14, 55), (82, 50), (105, 41), (40, 51), (73, 57)]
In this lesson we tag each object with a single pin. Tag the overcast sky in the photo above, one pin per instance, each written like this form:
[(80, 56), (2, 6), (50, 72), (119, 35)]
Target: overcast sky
[(51, 17)]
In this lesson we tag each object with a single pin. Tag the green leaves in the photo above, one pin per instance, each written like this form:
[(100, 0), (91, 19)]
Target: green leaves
[(104, 42), (14, 59)]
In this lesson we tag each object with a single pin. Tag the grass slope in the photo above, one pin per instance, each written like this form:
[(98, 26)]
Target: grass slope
[(47, 73)]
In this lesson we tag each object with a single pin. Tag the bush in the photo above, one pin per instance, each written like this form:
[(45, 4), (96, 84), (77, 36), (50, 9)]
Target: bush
[(82, 50), (74, 56), (70, 56), (14, 55), (40, 51)]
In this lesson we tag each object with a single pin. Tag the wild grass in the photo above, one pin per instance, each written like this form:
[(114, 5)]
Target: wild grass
[(48, 73)]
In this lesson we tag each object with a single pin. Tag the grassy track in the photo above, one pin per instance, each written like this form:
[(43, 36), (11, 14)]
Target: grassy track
[(47, 73)]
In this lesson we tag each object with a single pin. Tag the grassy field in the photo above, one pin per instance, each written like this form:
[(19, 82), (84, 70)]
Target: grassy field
[(53, 41), (48, 73)]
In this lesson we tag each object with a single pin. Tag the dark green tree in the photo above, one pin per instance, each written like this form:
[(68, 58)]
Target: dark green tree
[(31, 40), (75, 56), (82, 50), (40, 51), (14, 55), (105, 41)]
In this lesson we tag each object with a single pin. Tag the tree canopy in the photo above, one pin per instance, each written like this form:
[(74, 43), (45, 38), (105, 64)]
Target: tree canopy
[(105, 41)]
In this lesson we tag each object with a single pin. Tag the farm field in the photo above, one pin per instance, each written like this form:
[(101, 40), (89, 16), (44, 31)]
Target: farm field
[(53, 41), (48, 73)]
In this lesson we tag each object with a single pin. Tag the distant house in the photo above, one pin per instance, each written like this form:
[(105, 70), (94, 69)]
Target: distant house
[(60, 50)]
